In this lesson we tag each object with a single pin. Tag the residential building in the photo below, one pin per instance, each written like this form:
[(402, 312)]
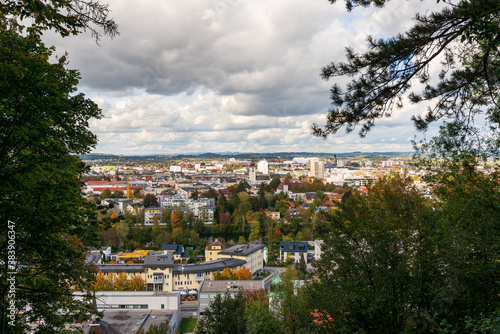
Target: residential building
[(212, 251), (252, 254), (317, 168), (293, 249), (161, 273), (150, 214), (177, 251), (210, 289), (310, 197), (273, 214)]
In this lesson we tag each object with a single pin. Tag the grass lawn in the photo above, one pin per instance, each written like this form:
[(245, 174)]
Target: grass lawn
[(187, 325)]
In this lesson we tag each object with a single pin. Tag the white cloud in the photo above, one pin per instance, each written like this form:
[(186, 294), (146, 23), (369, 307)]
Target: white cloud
[(227, 75)]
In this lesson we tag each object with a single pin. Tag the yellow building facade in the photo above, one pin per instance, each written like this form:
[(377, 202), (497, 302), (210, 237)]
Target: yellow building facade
[(252, 254), (160, 273), (212, 251)]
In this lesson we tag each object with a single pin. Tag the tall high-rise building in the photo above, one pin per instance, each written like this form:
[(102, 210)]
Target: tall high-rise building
[(317, 168), (263, 167)]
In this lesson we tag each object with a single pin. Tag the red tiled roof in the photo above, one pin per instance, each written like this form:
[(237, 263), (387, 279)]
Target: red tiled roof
[(328, 204), (216, 243), (102, 183), (119, 188)]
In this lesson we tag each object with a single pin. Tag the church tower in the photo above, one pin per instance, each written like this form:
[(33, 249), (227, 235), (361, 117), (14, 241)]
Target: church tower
[(252, 173)]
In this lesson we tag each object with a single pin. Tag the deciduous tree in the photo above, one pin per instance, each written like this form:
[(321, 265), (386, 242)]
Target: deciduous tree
[(106, 193), (244, 274), (225, 314), (396, 262), (150, 201), (43, 126), (229, 274), (175, 219)]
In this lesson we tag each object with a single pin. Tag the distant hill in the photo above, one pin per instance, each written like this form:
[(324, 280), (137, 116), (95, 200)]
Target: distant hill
[(277, 156)]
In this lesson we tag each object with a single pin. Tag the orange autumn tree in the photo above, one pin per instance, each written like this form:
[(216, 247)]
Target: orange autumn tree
[(136, 283), (175, 219), (103, 282), (228, 274), (217, 276), (233, 275), (244, 274), (121, 282), (100, 281)]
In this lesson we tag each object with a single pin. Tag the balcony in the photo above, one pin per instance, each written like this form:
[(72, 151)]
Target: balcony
[(199, 278), (157, 279)]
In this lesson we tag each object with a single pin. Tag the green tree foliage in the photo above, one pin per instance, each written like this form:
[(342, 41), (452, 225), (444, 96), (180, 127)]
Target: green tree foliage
[(467, 189), (117, 194), (142, 236), (261, 319), (210, 193), (106, 193), (199, 226), (225, 314), (293, 305), (122, 230), (301, 267), (463, 37), (165, 217), (244, 207), (275, 183), (67, 17), (281, 206), (255, 231), (162, 328), (188, 219), (150, 201), (396, 262), (317, 185), (43, 125)]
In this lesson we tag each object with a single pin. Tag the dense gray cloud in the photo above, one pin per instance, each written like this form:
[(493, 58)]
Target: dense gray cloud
[(228, 75)]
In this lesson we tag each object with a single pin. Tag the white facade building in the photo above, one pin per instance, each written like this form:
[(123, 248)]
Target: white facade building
[(263, 167)]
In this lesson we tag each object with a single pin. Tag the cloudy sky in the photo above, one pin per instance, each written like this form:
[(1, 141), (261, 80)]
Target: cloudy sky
[(229, 75)]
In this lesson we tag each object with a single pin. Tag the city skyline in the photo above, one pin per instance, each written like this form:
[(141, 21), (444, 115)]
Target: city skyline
[(189, 77)]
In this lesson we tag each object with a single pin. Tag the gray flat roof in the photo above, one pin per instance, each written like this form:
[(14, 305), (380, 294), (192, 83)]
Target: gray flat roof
[(231, 286), (294, 246), (118, 268), (159, 260), (125, 320), (208, 266), (242, 249)]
